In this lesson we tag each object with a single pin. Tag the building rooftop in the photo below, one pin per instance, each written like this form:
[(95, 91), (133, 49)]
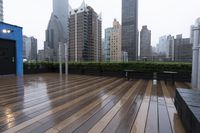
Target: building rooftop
[(10, 25), (80, 103)]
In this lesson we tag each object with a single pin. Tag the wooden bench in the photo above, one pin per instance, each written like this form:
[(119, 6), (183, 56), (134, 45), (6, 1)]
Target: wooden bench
[(171, 74)]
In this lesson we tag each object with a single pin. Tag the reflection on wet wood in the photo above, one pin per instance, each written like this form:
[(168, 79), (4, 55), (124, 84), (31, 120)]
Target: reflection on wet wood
[(139, 124), (175, 121), (164, 122), (50, 103), (152, 118), (107, 118), (115, 122)]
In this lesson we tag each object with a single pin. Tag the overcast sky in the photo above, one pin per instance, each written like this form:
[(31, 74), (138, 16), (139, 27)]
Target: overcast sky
[(163, 17)]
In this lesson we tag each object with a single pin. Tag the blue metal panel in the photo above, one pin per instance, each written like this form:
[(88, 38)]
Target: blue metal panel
[(16, 35)]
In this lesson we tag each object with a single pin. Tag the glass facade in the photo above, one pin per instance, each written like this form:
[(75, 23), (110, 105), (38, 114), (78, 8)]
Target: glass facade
[(130, 28)]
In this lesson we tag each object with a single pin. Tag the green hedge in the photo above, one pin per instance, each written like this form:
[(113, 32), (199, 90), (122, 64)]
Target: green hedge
[(114, 67)]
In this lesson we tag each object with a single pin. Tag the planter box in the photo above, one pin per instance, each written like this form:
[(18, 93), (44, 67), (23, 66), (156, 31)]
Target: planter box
[(182, 77), (188, 107)]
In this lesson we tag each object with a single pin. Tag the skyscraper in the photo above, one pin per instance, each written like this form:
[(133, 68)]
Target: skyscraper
[(130, 28), (85, 41), (57, 30), (162, 46), (182, 49), (172, 48), (145, 43), (29, 48), (1, 10), (106, 46), (115, 44)]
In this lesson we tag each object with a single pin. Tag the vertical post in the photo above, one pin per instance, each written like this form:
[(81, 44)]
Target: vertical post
[(198, 71), (60, 58), (195, 64), (66, 59)]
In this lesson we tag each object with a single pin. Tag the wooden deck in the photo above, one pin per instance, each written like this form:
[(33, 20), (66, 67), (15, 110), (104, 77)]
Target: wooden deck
[(79, 104)]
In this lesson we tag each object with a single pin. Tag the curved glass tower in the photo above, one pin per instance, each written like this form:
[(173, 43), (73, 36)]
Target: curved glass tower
[(57, 30)]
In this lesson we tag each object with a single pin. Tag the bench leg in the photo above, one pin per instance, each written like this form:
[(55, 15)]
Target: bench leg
[(126, 75)]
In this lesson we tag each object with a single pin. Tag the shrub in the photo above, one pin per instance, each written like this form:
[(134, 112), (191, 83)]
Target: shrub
[(115, 67)]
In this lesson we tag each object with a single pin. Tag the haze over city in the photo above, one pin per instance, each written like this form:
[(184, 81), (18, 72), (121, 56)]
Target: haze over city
[(163, 17), (93, 66)]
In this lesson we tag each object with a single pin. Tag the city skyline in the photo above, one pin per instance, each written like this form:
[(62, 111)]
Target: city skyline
[(156, 17)]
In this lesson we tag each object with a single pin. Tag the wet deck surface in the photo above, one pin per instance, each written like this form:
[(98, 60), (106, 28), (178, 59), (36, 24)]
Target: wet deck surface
[(79, 104)]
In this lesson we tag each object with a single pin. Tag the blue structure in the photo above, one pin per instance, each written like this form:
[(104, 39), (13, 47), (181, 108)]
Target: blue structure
[(14, 33)]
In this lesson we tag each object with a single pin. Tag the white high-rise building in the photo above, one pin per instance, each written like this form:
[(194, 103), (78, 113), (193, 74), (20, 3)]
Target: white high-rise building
[(29, 48), (57, 30), (162, 45), (1, 10)]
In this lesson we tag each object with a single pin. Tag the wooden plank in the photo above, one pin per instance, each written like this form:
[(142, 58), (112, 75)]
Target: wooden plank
[(181, 85), (31, 114), (176, 124), (152, 118), (13, 82), (163, 116), (54, 110), (27, 96), (18, 83), (35, 84), (36, 90), (60, 94), (66, 114), (139, 124), (30, 128), (96, 113), (79, 111), (52, 98), (101, 125), (129, 118), (115, 122), (84, 111), (15, 102)]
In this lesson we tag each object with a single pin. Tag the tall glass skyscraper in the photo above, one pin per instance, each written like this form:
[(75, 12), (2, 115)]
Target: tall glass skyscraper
[(130, 28), (1, 10), (57, 30)]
